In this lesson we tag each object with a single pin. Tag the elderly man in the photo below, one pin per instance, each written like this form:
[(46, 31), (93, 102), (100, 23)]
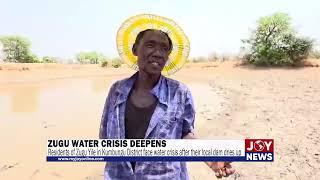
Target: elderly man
[(150, 105)]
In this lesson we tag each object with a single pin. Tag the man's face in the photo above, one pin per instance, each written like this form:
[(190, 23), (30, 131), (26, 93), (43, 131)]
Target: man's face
[(153, 51)]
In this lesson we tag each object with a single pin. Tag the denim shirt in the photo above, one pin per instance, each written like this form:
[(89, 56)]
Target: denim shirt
[(173, 118)]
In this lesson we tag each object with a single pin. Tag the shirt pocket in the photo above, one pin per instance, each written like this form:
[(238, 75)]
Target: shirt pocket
[(174, 113), (170, 117), (170, 126)]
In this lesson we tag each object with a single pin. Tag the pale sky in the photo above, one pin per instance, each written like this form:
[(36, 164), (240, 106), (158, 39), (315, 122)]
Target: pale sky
[(62, 28)]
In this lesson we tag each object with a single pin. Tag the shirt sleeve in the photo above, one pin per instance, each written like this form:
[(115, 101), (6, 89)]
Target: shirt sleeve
[(188, 115), (104, 118)]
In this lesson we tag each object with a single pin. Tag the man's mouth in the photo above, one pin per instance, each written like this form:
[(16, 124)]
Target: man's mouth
[(155, 63)]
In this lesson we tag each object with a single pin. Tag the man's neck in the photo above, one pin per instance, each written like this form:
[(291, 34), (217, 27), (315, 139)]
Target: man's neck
[(146, 82)]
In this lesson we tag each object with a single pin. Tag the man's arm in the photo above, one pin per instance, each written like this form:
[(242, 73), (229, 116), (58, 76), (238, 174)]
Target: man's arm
[(188, 117), (220, 168), (104, 118)]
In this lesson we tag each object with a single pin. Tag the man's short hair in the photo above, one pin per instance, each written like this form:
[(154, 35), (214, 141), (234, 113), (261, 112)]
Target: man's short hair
[(140, 36)]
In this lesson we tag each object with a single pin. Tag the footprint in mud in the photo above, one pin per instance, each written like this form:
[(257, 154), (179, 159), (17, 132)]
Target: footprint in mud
[(45, 125), (35, 173), (97, 176), (56, 174), (88, 178), (6, 167)]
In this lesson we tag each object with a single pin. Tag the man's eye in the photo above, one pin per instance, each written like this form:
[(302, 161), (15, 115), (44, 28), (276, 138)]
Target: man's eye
[(165, 49)]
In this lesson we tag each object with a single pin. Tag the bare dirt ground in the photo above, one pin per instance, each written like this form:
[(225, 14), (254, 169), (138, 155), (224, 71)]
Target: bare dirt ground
[(232, 102)]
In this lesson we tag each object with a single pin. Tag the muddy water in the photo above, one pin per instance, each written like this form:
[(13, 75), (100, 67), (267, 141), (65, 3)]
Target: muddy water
[(32, 112)]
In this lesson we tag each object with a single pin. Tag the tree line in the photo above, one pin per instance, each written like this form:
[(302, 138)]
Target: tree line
[(274, 41)]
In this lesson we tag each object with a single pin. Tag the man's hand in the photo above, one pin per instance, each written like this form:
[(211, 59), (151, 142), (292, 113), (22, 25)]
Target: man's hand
[(221, 168)]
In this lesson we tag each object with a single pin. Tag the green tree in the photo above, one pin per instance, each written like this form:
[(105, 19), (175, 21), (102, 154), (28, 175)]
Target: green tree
[(48, 59), (90, 57), (116, 62), (104, 63), (274, 42), (17, 49)]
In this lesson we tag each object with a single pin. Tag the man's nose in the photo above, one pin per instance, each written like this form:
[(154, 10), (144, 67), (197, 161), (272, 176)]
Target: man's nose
[(158, 53)]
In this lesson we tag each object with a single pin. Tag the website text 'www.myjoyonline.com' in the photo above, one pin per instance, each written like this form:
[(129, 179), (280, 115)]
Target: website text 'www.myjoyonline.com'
[(79, 159)]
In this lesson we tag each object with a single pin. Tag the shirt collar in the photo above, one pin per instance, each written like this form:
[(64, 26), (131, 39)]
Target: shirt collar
[(159, 90)]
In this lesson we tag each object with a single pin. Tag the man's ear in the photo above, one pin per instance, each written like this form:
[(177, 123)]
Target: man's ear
[(134, 50)]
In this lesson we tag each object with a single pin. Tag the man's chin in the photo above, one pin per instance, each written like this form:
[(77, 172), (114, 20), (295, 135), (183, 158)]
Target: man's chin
[(154, 72)]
